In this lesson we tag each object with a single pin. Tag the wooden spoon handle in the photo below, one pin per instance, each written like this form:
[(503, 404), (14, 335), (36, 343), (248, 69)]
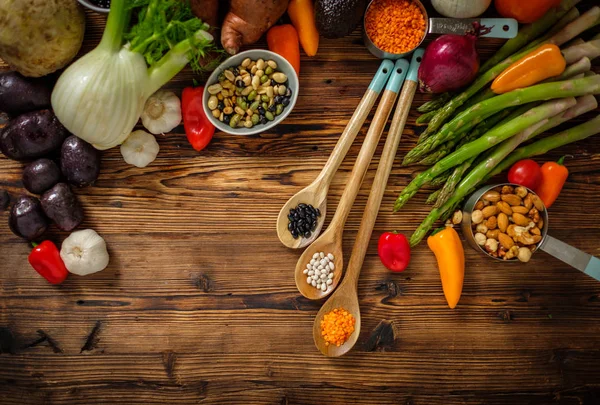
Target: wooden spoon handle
[(367, 150), (383, 172), (356, 122)]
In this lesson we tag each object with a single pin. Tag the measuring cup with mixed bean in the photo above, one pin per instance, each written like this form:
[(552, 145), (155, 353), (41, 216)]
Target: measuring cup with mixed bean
[(253, 93)]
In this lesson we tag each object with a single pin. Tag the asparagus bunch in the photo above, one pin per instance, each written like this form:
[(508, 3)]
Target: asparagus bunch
[(501, 157), (497, 135)]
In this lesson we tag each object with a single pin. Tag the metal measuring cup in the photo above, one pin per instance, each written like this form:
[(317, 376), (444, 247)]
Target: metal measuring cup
[(499, 28), (574, 257)]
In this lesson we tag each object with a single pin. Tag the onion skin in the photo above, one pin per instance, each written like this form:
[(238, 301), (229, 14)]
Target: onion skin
[(449, 63)]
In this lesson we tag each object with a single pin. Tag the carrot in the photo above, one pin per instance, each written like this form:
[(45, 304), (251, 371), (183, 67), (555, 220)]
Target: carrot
[(283, 40), (302, 14), (540, 64)]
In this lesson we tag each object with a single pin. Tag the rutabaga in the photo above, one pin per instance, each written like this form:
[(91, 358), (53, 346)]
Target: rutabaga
[(101, 96)]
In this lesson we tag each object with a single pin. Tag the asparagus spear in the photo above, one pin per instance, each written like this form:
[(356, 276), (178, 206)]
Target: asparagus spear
[(435, 104), (433, 197), (589, 49), (459, 171), (425, 118), (493, 137), (570, 31), (473, 179), (440, 180), (542, 146), (472, 116), (530, 32), (479, 130)]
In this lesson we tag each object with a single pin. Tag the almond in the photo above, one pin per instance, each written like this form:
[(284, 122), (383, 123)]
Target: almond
[(528, 201), (537, 202), (479, 205), (535, 231), (504, 207), (491, 196), (491, 223), (520, 219), (540, 224), (489, 211), (505, 240), (521, 210), (502, 221), (507, 190), (521, 191), (512, 199)]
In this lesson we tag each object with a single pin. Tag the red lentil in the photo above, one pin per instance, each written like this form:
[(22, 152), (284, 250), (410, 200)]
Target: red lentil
[(395, 26), (337, 326)]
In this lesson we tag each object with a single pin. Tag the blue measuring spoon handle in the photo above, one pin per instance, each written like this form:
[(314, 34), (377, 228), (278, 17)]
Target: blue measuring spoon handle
[(593, 268), (381, 77), (415, 62), (501, 27), (399, 72)]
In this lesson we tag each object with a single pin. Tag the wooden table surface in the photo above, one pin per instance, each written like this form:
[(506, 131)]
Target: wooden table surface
[(199, 303)]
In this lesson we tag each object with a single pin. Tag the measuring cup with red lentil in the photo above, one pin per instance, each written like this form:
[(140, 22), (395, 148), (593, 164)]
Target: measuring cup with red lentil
[(395, 28)]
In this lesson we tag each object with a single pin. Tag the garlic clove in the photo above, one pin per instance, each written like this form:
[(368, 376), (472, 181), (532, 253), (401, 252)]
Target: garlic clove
[(140, 149)]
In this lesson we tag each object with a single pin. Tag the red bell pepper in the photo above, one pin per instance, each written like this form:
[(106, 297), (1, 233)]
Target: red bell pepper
[(198, 128), (394, 251), (45, 259)]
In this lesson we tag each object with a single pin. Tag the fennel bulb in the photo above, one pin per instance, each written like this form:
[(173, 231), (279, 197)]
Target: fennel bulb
[(101, 96)]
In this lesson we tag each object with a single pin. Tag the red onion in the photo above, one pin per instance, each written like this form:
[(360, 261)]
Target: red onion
[(449, 63)]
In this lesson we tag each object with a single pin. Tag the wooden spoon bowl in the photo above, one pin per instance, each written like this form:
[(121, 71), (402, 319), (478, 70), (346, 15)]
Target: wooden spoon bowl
[(329, 242), (344, 297), (314, 194)]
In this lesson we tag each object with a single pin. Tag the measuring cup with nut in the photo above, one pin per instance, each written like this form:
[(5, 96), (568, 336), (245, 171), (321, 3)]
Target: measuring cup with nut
[(494, 28), (509, 222)]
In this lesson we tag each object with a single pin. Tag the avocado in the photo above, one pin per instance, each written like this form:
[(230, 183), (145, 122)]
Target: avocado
[(338, 18)]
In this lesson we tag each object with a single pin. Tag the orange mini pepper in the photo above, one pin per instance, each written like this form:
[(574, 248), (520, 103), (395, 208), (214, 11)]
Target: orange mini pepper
[(448, 250), (554, 176), (302, 14), (283, 40), (540, 64), (525, 11)]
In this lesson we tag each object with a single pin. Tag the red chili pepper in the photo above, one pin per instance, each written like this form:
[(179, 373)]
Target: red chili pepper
[(525, 173), (554, 176), (45, 259), (394, 251), (198, 128)]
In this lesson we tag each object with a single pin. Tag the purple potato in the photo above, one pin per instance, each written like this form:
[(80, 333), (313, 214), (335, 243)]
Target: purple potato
[(79, 162), (27, 219), (61, 206), (40, 175), (32, 135), (19, 94)]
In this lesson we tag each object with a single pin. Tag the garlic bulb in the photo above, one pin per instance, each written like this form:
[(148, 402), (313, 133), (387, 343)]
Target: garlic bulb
[(461, 8), (162, 112), (84, 252), (140, 149)]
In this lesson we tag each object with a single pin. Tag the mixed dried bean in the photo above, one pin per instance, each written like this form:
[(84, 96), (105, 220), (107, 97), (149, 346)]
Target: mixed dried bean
[(253, 93)]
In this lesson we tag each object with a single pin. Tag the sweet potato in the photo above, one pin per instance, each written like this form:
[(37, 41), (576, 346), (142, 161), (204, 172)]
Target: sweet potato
[(206, 10), (247, 20)]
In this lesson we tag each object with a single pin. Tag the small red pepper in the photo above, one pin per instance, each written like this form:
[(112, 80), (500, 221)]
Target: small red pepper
[(198, 128), (45, 259), (525, 173), (554, 176), (394, 251)]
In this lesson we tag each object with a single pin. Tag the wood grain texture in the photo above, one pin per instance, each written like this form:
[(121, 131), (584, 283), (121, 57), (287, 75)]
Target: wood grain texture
[(199, 303)]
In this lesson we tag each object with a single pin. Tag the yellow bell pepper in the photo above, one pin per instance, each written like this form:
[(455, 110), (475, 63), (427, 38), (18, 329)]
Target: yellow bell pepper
[(448, 250)]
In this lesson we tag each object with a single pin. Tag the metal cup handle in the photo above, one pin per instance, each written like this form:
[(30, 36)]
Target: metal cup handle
[(574, 257), (500, 27)]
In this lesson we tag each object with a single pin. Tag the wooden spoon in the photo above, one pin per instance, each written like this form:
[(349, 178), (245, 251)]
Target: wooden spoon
[(331, 240), (316, 193), (346, 295)]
